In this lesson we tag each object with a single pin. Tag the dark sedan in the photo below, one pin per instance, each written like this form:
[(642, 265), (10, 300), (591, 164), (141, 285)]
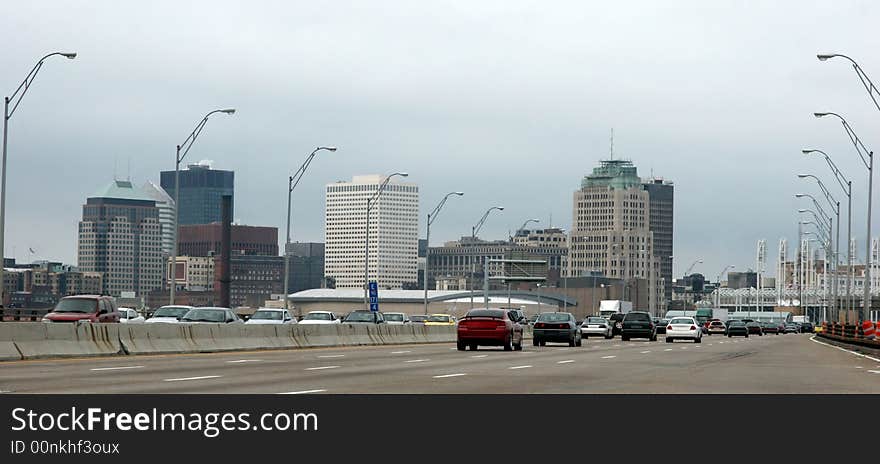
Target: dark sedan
[(661, 325), (737, 328), (806, 327), (770, 327), (556, 327), (755, 328)]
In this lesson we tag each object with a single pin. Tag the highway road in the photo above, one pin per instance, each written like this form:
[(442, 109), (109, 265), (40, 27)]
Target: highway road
[(769, 364)]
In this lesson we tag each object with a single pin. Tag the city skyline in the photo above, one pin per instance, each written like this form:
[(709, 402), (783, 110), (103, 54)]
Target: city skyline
[(727, 127)]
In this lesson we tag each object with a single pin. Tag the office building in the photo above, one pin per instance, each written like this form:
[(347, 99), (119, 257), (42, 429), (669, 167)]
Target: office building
[(166, 213), (661, 196), (254, 279), (393, 233), (306, 266), (550, 237), (204, 240), (611, 230), (201, 190), (194, 273), (120, 237)]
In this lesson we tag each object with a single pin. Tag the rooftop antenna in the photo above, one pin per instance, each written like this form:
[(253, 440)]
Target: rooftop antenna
[(551, 220), (612, 144), (115, 162), (128, 174)]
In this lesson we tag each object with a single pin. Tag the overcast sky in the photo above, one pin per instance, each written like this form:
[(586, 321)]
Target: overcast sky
[(511, 102)]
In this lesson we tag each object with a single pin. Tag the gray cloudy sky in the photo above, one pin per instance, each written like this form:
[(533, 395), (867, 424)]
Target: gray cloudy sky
[(511, 102)]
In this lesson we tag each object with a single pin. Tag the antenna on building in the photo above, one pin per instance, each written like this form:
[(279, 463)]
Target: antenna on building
[(115, 162), (128, 173), (551, 220), (612, 143)]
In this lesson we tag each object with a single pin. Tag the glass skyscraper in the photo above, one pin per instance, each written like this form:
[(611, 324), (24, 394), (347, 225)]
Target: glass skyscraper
[(201, 189)]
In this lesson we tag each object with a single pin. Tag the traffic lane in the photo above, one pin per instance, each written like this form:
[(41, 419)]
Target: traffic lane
[(123, 374)]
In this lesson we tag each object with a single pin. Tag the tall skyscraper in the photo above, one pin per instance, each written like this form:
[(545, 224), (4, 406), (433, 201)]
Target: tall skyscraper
[(661, 194), (200, 191), (166, 213), (393, 229), (120, 236), (611, 229), (306, 266)]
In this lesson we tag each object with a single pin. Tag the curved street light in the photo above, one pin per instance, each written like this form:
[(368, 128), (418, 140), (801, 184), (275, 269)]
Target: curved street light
[(185, 146), (431, 217), (835, 250), (846, 185), (7, 114), (370, 202), (476, 229), (718, 280), (523, 226), (292, 182)]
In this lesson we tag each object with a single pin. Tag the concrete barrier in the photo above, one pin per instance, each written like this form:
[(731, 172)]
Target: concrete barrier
[(57, 340), (29, 340)]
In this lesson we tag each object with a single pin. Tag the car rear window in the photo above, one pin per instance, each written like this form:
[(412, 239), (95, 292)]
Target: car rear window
[(736, 323), (637, 317), (496, 313), (682, 320), (595, 320), (554, 317)]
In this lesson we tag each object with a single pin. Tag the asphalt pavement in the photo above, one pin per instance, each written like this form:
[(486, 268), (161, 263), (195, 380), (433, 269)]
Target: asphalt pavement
[(793, 363)]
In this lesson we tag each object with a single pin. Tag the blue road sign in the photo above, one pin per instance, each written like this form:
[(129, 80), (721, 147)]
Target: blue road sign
[(374, 296)]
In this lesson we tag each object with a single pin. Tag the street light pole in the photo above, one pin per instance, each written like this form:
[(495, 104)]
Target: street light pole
[(431, 217), (7, 114), (370, 201), (292, 182), (846, 185), (474, 231), (869, 164), (186, 145), (718, 281), (835, 251)]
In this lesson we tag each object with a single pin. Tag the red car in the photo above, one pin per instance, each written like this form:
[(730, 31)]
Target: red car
[(85, 308), (489, 327)]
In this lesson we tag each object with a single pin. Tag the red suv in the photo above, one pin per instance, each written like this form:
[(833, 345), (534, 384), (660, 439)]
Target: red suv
[(85, 308)]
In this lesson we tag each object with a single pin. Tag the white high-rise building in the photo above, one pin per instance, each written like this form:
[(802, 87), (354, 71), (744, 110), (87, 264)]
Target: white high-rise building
[(166, 213), (394, 232)]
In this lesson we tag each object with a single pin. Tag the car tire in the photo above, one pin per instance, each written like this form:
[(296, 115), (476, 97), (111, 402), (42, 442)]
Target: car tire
[(461, 346), (624, 338), (579, 342), (728, 335), (747, 335), (698, 340), (668, 340), (473, 347), (761, 334), (536, 342)]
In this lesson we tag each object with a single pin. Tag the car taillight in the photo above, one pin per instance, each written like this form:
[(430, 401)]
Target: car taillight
[(501, 326), (539, 325), (668, 327), (602, 326), (693, 328), (650, 325)]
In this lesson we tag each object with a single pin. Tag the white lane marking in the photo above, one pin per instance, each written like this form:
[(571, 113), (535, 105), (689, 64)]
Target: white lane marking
[(446, 376), (244, 361), (859, 367), (565, 362), (416, 360), (813, 339), (684, 347), (400, 352), (710, 344), (645, 352), (668, 349), (453, 348), (201, 377), (561, 349), (303, 392), (477, 356), (720, 343), (519, 367), (115, 368), (874, 372), (320, 368), (332, 356), (5, 391), (616, 346), (608, 357)]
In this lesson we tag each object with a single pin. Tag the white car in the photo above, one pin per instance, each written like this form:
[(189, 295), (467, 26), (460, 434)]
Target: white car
[(683, 327), (168, 314), (211, 315), (595, 325), (320, 317), (396, 318), (270, 316), (130, 316)]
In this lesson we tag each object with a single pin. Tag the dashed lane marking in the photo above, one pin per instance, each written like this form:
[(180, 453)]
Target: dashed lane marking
[(416, 360), (608, 357), (332, 356), (645, 352), (201, 377), (668, 349), (446, 376), (519, 367), (321, 368), (477, 356), (303, 392), (565, 362), (239, 361), (400, 352), (115, 368), (873, 371)]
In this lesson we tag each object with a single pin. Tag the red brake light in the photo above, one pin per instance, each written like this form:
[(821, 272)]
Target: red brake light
[(693, 328), (669, 327), (540, 324)]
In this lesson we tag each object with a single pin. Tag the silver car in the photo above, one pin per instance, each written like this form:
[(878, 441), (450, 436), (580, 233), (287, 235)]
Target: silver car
[(597, 326), (270, 316), (211, 315)]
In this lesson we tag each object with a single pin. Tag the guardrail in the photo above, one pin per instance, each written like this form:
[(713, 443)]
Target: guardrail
[(22, 314), (33, 340)]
